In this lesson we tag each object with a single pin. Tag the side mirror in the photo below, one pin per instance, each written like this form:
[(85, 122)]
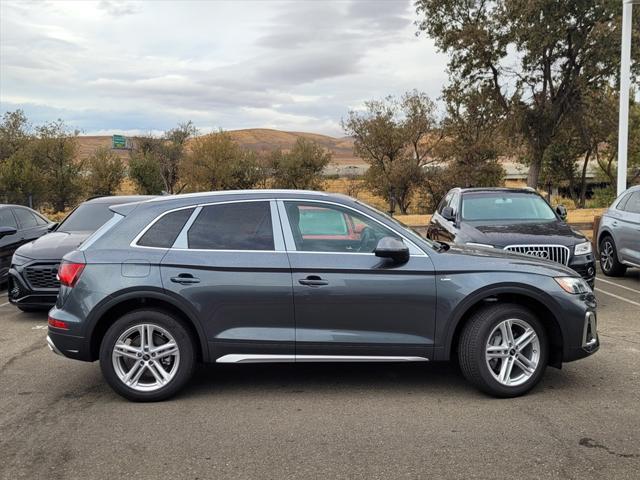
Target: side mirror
[(561, 210), (4, 231), (447, 214), (52, 227), (393, 248)]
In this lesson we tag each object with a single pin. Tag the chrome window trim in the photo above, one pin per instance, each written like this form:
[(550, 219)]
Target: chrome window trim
[(414, 250), (278, 240)]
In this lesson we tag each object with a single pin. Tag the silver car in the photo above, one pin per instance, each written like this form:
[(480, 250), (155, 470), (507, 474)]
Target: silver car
[(619, 234)]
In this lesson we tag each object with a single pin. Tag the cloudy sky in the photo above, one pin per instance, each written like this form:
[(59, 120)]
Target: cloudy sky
[(128, 67)]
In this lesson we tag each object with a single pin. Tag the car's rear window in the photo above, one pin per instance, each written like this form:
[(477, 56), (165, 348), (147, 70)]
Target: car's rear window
[(233, 226), (163, 233), (88, 217), (505, 206)]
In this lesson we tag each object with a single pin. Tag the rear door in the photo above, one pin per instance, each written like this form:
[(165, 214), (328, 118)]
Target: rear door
[(230, 264)]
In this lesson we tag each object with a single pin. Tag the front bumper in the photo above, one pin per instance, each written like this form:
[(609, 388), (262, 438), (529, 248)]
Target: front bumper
[(21, 293), (590, 343), (585, 266)]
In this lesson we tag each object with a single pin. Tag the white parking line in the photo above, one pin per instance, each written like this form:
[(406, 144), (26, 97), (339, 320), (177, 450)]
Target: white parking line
[(3, 304), (618, 297), (618, 285)]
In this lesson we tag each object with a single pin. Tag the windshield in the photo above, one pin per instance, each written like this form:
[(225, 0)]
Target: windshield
[(505, 206), (88, 217), (410, 232)]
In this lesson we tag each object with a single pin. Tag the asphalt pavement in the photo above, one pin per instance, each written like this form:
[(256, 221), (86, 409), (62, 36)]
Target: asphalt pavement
[(59, 420)]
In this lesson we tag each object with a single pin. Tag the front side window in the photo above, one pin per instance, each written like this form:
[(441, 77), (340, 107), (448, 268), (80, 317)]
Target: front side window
[(233, 226), (497, 206), (319, 227), (25, 217), (163, 233), (633, 204)]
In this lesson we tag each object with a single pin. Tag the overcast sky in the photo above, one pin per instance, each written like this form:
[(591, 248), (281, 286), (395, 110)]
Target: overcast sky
[(129, 67)]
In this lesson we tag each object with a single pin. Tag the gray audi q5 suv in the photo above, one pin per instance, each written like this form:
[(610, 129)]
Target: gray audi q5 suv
[(295, 276)]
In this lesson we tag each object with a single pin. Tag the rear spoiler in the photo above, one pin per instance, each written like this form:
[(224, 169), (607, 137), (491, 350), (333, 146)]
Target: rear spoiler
[(124, 209)]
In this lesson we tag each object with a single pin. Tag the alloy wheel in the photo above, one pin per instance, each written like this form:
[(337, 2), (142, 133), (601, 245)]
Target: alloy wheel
[(146, 357), (606, 256), (513, 352)]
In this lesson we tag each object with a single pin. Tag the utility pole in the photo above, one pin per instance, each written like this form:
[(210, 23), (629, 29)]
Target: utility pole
[(625, 87)]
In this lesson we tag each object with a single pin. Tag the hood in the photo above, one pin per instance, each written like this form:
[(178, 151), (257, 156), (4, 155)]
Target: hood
[(501, 234), (478, 259), (52, 246)]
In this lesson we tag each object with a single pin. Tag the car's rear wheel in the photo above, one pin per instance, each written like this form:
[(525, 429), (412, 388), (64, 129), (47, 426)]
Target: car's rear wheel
[(609, 258), (503, 350), (147, 355)]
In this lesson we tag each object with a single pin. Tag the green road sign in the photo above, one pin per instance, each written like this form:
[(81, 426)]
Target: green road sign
[(118, 141)]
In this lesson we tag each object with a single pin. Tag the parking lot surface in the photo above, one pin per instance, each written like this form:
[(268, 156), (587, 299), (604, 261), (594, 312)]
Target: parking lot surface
[(60, 420)]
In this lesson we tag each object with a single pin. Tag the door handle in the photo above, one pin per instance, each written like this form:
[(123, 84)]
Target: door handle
[(313, 281), (185, 279)]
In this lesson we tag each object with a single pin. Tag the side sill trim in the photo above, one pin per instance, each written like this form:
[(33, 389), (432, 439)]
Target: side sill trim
[(258, 358)]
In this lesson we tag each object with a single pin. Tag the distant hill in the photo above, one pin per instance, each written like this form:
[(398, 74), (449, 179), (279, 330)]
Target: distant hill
[(258, 139)]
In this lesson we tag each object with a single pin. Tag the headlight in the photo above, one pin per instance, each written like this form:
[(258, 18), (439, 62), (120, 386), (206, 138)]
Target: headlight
[(19, 260), (482, 245), (582, 248), (573, 285)]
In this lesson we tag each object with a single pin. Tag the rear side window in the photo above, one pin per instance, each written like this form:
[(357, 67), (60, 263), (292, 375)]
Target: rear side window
[(233, 226), (163, 233), (7, 219), (25, 217), (621, 204)]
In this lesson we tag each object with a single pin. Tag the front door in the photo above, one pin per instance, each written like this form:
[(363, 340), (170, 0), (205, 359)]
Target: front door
[(231, 266), (348, 302)]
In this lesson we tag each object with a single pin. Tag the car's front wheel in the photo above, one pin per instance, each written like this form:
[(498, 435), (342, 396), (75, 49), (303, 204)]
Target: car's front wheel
[(503, 350), (147, 355)]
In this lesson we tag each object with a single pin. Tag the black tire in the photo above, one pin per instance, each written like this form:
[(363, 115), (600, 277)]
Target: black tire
[(608, 250), (473, 343), (175, 328)]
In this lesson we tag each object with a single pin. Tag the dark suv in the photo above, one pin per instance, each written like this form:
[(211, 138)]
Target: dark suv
[(237, 277), (516, 220), (32, 281)]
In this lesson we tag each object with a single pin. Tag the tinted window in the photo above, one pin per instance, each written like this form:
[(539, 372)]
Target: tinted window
[(40, 220), (318, 227), (505, 206), (7, 219), (633, 204), (164, 232), (25, 218), (621, 204), (88, 217), (233, 226)]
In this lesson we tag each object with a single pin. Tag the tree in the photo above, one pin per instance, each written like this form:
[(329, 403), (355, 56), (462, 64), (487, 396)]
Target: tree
[(163, 156), (539, 57), (216, 162), (21, 179), (144, 171), (302, 167), (105, 172), (396, 138), (54, 155), (14, 133)]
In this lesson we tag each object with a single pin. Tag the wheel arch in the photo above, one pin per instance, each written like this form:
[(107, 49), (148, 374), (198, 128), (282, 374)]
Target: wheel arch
[(106, 313), (604, 232), (536, 301)]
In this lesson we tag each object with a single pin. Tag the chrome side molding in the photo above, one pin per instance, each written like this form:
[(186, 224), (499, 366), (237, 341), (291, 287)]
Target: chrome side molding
[(268, 358)]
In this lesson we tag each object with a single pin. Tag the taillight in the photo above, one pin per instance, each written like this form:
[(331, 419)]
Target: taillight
[(69, 273), (55, 323)]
